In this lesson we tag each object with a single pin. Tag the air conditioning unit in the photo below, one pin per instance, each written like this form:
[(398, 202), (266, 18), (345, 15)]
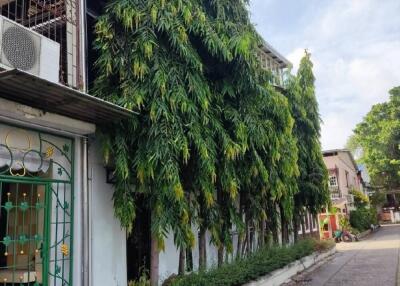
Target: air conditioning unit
[(24, 49)]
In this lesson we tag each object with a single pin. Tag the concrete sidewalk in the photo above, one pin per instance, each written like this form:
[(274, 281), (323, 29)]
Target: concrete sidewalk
[(371, 262)]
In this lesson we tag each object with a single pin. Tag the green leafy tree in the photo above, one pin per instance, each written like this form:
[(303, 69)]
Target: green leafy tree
[(378, 138), (377, 199), (360, 200), (313, 180), (210, 130)]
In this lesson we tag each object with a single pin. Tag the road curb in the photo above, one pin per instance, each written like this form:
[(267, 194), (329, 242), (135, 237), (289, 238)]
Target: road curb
[(367, 233), (283, 275)]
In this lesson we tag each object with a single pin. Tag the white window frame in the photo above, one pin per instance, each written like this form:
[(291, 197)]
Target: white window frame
[(333, 178)]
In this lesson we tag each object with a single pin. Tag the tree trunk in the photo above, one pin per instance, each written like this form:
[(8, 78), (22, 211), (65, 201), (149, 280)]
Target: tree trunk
[(189, 259), (252, 230), (239, 246), (261, 239), (275, 235), (311, 222), (247, 224), (220, 255), (283, 224), (303, 226), (202, 249), (240, 235), (248, 244), (244, 245), (154, 261), (295, 228), (284, 227), (181, 268), (268, 233)]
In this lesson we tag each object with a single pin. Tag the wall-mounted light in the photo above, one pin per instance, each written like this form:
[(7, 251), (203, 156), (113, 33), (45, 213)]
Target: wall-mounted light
[(110, 173)]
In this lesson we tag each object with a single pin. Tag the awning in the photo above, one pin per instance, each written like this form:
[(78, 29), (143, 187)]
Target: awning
[(39, 93)]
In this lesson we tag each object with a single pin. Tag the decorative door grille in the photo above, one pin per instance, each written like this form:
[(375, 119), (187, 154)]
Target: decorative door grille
[(36, 219)]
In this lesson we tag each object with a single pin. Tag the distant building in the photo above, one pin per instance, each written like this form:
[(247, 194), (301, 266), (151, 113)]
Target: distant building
[(344, 176)]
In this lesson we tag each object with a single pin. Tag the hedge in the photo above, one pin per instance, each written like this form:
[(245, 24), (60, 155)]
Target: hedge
[(254, 266)]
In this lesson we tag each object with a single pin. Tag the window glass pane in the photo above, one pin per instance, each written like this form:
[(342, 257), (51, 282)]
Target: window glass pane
[(332, 181)]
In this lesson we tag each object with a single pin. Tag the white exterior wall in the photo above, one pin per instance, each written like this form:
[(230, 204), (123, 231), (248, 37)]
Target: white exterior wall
[(343, 164), (169, 259), (108, 239)]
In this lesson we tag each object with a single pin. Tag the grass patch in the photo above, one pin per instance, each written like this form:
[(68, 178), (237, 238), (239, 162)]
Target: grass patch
[(254, 266)]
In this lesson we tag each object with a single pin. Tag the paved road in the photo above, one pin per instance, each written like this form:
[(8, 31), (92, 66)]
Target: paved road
[(371, 262)]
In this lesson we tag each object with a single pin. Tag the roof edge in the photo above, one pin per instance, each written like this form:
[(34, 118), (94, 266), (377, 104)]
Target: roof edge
[(344, 151), (268, 47), (75, 92)]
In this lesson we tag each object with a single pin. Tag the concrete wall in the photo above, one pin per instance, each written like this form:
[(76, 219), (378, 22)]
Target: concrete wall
[(108, 239), (311, 226), (169, 259)]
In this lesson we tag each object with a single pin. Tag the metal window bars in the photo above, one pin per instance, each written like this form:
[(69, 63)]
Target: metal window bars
[(23, 231), (54, 19)]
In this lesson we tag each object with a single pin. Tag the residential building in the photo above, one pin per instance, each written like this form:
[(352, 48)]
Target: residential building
[(273, 61), (344, 177), (57, 224)]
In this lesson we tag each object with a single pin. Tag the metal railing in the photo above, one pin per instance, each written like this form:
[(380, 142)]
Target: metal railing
[(54, 19), (335, 192)]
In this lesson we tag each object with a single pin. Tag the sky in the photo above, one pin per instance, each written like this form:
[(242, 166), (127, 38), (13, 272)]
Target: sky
[(355, 48)]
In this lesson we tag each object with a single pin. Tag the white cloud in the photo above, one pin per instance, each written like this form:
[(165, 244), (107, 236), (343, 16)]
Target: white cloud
[(348, 88), (295, 57), (355, 47)]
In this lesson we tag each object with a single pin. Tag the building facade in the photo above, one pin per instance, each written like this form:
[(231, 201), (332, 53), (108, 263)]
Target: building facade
[(57, 215), (57, 224), (344, 177)]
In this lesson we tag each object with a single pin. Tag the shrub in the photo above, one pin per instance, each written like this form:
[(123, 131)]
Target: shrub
[(324, 245), (254, 266), (143, 279), (362, 218)]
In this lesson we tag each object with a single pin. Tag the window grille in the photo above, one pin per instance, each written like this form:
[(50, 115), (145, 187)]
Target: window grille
[(54, 19)]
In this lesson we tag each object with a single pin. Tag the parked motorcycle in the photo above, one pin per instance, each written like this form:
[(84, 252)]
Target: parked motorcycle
[(345, 236)]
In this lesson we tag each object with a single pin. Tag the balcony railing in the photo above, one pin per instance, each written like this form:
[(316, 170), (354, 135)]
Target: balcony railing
[(335, 192), (268, 63)]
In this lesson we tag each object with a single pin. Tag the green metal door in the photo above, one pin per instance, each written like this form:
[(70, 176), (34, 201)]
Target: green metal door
[(36, 214)]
